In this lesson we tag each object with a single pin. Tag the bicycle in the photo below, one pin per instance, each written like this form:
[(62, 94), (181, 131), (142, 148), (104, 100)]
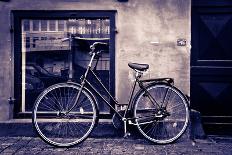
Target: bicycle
[(65, 114)]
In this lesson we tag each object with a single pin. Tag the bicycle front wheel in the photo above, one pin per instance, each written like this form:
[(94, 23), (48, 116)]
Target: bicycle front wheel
[(53, 121), (161, 113)]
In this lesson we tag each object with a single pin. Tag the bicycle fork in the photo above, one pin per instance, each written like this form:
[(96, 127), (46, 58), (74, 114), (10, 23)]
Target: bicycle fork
[(82, 84)]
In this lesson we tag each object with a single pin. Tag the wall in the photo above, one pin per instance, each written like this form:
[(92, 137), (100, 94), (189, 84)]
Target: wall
[(138, 22)]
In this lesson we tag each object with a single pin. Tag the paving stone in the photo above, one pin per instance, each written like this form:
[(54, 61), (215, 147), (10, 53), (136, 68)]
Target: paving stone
[(106, 146), (139, 147)]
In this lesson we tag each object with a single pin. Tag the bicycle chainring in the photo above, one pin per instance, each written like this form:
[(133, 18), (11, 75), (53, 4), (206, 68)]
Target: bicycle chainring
[(117, 120)]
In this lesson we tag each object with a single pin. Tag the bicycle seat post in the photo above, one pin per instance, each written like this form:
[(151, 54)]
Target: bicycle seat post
[(138, 74)]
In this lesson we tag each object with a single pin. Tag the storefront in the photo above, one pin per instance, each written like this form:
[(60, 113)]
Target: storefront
[(34, 57)]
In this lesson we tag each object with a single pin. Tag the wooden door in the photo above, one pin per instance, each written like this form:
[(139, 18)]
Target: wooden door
[(211, 63)]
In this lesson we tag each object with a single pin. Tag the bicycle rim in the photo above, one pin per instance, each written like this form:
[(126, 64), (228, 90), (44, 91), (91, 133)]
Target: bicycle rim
[(154, 125), (60, 129)]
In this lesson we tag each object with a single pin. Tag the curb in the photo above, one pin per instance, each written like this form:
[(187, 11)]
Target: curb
[(25, 129)]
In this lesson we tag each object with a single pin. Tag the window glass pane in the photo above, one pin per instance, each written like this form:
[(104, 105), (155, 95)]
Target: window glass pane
[(28, 42), (43, 38), (44, 25), (105, 28), (52, 25), (46, 60), (26, 25), (60, 25), (35, 25), (34, 41)]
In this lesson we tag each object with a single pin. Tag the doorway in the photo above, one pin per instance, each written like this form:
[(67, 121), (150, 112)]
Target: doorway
[(211, 64)]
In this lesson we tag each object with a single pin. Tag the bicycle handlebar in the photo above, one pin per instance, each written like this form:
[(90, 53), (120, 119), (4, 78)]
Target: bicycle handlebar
[(97, 48), (97, 44)]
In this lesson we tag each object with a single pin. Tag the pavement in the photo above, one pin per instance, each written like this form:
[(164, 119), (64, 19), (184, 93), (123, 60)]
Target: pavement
[(20, 139), (105, 146)]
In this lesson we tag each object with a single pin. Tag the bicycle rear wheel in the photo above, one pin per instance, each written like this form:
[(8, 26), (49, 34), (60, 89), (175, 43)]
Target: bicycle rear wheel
[(51, 120), (165, 119)]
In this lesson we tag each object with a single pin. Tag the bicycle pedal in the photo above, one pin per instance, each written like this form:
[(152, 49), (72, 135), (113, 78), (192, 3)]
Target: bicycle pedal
[(127, 135)]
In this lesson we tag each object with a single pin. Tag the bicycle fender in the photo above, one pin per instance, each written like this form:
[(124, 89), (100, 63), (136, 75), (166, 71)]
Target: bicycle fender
[(169, 81)]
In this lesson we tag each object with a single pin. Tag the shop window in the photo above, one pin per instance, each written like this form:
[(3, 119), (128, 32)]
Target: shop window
[(45, 59)]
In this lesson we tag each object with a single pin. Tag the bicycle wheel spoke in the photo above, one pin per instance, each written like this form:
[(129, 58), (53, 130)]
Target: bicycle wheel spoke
[(55, 97), (59, 131), (152, 128), (46, 107), (146, 126), (166, 123), (55, 126), (65, 100), (157, 129), (72, 99), (83, 116), (82, 102), (175, 106)]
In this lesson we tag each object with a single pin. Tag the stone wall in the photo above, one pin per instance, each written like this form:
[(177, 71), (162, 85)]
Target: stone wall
[(138, 22)]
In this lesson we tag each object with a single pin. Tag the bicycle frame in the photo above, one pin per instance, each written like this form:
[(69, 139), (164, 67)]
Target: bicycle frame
[(147, 117), (84, 81)]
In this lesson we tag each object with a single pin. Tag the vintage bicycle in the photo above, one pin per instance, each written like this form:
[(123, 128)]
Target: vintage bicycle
[(65, 114)]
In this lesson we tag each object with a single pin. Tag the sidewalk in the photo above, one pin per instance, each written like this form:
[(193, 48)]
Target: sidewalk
[(106, 140), (105, 146)]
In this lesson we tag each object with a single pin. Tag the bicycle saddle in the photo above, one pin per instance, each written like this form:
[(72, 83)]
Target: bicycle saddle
[(140, 67)]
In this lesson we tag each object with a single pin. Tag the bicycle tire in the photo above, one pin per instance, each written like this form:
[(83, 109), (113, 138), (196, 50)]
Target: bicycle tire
[(59, 129), (156, 124)]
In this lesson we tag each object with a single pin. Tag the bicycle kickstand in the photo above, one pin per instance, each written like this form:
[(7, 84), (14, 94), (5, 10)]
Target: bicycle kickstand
[(126, 134)]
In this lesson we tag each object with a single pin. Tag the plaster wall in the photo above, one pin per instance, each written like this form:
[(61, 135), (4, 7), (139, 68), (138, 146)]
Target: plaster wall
[(138, 22)]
